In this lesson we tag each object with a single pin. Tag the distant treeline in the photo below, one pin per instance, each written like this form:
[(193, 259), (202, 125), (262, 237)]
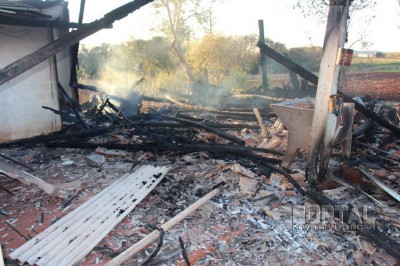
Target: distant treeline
[(214, 58)]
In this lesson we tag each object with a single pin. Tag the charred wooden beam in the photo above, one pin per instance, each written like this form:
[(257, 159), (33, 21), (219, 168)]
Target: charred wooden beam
[(243, 152), (9, 20), (263, 57), (371, 114), (155, 99), (100, 131), (162, 147), (74, 57), (16, 161), (73, 105), (210, 129), (281, 59), (214, 111), (23, 64)]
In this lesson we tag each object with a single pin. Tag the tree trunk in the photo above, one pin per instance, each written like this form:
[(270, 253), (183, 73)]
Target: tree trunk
[(184, 64)]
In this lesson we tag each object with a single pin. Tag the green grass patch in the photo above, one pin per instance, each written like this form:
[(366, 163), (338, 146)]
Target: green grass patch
[(375, 65)]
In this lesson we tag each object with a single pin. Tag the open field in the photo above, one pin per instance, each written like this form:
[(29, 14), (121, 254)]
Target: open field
[(375, 65)]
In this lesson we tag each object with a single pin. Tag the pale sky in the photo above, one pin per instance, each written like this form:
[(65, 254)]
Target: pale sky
[(281, 22)]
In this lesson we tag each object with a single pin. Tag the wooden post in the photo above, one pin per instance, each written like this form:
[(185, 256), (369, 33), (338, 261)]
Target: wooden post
[(323, 124), (293, 77), (74, 55), (263, 57), (45, 52)]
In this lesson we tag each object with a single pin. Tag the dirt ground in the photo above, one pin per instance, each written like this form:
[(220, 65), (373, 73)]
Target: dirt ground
[(385, 86), (378, 85)]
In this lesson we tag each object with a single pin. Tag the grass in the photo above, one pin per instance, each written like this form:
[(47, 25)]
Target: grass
[(375, 65)]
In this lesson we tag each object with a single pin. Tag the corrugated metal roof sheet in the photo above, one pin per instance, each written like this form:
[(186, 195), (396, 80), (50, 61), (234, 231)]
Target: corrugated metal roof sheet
[(70, 239)]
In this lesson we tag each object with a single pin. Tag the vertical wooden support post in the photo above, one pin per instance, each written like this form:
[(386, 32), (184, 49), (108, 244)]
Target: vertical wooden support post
[(74, 55), (324, 122), (263, 57)]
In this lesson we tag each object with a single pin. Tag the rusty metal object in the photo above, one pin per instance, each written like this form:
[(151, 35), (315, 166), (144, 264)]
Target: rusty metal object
[(344, 57), (335, 104), (337, 2)]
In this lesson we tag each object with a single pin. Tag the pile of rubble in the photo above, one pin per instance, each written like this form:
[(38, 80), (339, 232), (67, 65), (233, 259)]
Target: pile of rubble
[(262, 214)]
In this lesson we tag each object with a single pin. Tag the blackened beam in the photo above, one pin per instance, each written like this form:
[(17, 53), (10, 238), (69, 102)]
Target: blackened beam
[(286, 62), (8, 20), (240, 151), (167, 147), (23, 64), (100, 131), (217, 132), (307, 75)]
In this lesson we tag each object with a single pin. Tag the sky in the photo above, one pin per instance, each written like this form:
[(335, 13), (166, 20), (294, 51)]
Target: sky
[(282, 23)]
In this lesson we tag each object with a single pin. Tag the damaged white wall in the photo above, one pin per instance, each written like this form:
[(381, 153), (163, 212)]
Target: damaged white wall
[(22, 98)]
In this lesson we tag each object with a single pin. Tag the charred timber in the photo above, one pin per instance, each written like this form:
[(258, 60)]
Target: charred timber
[(213, 111), (218, 148), (104, 130), (286, 62), (23, 64), (246, 152), (73, 105), (370, 114), (217, 132), (9, 20)]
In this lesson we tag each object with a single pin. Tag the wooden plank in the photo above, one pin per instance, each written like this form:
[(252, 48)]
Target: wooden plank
[(21, 65), (26, 178), (166, 227)]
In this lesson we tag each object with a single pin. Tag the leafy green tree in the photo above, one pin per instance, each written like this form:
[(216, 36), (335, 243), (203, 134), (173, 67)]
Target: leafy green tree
[(179, 18), (218, 56), (92, 59), (307, 57), (148, 57)]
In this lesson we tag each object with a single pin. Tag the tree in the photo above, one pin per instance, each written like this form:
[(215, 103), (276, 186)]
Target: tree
[(148, 58), (180, 16), (307, 57), (219, 55), (92, 59), (361, 11)]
